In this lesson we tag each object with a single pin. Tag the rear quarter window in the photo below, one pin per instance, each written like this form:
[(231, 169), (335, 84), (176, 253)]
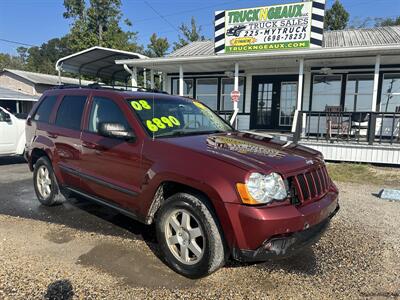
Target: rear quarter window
[(45, 108), (69, 114)]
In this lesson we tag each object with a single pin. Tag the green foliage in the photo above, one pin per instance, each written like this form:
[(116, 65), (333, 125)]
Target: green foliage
[(8, 61), (336, 18), (382, 22), (42, 59), (98, 25), (157, 47), (190, 33)]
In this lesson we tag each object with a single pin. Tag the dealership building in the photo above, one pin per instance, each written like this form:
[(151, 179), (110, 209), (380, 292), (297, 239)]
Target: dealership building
[(335, 91)]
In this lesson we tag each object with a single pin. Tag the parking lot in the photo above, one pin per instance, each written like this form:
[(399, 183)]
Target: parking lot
[(86, 251)]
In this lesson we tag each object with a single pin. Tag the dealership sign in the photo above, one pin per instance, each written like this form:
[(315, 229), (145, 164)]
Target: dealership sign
[(276, 27)]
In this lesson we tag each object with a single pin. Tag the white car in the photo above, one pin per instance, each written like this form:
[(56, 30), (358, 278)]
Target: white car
[(12, 134)]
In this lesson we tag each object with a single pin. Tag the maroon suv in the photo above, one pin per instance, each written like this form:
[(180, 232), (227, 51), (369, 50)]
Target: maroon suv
[(214, 193)]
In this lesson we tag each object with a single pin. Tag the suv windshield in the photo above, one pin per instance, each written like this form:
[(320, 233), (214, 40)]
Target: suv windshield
[(177, 117)]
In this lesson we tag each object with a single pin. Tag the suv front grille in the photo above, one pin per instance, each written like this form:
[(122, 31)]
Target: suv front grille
[(311, 185)]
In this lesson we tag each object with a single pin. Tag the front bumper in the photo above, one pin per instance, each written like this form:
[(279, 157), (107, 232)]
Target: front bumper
[(284, 246)]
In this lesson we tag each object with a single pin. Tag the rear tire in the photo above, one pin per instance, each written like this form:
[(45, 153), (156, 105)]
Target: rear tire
[(45, 183), (189, 236)]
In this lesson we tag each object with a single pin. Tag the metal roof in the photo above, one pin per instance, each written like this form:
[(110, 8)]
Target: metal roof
[(7, 94), (332, 39), (40, 78), (97, 62)]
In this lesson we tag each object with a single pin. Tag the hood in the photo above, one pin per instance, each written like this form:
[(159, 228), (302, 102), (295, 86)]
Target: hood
[(251, 151)]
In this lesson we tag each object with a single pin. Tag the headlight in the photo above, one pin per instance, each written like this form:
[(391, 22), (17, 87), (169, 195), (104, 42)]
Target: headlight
[(262, 189)]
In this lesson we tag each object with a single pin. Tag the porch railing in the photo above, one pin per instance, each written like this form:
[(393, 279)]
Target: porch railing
[(348, 127)]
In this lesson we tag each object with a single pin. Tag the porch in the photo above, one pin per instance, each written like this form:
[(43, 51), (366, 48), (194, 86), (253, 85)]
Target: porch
[(372, 137)]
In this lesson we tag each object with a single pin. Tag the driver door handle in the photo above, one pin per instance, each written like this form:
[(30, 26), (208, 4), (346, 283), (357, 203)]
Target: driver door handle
[(93, 146)]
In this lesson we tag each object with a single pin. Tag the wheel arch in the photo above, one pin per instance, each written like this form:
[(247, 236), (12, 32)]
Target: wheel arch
[(216, 206)]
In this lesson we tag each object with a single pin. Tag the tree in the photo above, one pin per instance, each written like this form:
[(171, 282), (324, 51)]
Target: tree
[(158, 46), (382, 22), (336, 17), (8, 61), (190, 33), (98, 24), (43, 59)]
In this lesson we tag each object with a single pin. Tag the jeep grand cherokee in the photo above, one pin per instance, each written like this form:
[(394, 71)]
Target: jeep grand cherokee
[(214, 193)]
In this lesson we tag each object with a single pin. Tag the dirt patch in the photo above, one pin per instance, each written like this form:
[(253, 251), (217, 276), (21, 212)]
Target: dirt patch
[(136, 268), (59, 236)]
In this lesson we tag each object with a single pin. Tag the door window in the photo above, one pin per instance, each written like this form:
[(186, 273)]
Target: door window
[(105, 110), (287, 103), (264, 104), (69, 114), (45, 108)]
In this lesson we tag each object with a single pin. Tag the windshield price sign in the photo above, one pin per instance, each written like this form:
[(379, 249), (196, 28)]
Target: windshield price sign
[(266, 28)]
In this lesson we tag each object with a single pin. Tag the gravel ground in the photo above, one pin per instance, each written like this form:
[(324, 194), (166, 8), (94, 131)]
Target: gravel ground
[(358, 257)]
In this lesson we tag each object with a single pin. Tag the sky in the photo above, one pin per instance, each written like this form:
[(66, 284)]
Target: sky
[(33, 22)]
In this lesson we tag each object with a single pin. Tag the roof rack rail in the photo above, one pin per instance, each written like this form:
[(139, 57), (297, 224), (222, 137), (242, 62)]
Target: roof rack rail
[(108, 87)]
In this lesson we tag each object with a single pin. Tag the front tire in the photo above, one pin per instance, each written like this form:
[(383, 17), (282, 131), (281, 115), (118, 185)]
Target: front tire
[(45, 183), (189, 236)]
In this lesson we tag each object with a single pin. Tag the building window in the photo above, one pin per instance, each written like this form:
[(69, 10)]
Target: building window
[(207, 91), (359, 89), (187, 87), (326, 91), (227, 86), (390, 97)]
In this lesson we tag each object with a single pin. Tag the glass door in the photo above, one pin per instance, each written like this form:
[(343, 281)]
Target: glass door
[(273, 102), (288, 100)]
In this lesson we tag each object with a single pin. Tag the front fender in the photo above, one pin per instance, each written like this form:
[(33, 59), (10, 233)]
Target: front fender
[(215, 197)]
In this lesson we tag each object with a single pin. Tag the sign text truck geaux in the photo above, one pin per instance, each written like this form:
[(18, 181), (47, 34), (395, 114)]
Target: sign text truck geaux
[(276, 27)]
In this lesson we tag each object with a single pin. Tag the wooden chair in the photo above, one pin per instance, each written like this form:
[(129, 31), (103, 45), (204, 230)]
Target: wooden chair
[(335, 123)]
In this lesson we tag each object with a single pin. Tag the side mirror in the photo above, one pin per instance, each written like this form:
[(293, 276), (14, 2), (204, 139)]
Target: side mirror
[(7, 117), (116, 130)]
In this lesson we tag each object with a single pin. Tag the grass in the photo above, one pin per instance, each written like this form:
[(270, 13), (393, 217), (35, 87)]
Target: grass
[(364, 173)]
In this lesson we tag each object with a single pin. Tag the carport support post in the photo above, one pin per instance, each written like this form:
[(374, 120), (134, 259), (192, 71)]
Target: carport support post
[(152, 79), (376, 81), (299, 94), (180, 80), (235, 88), (134, 79)]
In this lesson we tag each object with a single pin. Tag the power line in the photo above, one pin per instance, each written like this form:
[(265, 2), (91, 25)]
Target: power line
[(17, 43), (184, 11), (162, 17)]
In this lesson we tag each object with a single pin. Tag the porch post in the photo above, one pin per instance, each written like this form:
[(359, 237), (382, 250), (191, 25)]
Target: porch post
[(180, 80), (376, 81), (236, 88), (299, 94), (163, 78), (144, 78), (152, 79)]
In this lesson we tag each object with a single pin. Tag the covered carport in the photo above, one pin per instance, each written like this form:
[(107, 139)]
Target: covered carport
[(99, 63)]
